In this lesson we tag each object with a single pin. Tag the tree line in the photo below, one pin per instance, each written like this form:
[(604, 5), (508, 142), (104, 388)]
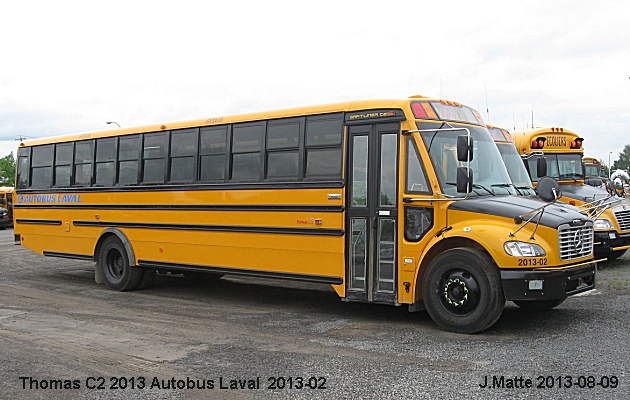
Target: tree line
[(623, 161), (7, 170)]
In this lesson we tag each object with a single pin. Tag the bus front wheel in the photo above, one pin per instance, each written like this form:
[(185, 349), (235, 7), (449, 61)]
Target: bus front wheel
[(462, 291), (117, 273)]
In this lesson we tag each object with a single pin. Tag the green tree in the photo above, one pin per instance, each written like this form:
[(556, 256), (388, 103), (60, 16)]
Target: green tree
[(7, 170), (623, 162)]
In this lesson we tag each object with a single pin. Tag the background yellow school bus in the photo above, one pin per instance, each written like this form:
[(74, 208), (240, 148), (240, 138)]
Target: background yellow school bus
[(563, 150), (594, 172), (6, 202), (390, 201)]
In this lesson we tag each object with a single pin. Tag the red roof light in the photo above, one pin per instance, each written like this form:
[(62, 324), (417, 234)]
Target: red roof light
[(538, 143), (418, 110)]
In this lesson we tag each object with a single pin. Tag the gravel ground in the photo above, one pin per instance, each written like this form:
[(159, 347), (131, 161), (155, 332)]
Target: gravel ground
[(62, 336)]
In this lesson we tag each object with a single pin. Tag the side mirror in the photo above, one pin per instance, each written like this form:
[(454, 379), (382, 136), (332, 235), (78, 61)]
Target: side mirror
[(541, 167), (548, 189), (464, 180), (464, 148)]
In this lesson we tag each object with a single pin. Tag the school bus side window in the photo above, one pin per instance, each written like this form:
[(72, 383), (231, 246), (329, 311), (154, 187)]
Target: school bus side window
[(83, 158), (154, 157), (63, 164), (105, 159), (212, 147), (128, 159), (246, 148), (22, 181), (41, 169), (183, 155), (418, 221), (283, 139), (416, 179), (323, 146)]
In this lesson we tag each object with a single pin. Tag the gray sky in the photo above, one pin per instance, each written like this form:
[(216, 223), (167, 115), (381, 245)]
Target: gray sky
[(70, 66)]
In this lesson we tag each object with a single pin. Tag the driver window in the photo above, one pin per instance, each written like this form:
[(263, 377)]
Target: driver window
[(416, 179)]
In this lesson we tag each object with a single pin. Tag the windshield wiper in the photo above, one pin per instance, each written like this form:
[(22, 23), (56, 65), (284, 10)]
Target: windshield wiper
[(573, 176), (505, 185), (477, 186)]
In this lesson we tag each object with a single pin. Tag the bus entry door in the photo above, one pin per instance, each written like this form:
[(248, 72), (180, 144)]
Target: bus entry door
[(372, 213)]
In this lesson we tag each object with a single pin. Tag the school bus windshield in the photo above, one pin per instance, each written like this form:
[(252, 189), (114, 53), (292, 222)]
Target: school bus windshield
[(592, 170), (560, 166), (490, 176)]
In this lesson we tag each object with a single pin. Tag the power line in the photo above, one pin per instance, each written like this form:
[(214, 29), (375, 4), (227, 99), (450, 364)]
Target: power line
[(13, 138)]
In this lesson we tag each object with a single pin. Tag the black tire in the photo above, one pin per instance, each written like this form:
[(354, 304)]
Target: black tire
[(117, 273), (541, 305), (462, 291)]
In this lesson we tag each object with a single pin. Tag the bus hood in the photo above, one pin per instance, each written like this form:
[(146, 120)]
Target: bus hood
[(584, 193), (555, 214), (589, 194)]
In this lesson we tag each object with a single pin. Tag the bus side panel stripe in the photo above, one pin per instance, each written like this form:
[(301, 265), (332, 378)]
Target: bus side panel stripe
[(333, 280), (38, 221), (215, 228), (68, 255)]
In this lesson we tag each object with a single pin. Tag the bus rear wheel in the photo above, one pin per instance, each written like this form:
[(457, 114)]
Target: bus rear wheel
[(462, 291), (117, 273)]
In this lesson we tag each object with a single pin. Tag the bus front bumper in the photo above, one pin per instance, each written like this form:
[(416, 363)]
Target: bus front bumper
[(606, 242), (548, 284)]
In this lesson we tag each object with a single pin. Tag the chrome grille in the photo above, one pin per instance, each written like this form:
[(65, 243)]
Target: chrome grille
[(575, 241), (623, 218)]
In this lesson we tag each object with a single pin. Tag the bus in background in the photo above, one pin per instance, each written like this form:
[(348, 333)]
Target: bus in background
[(594, 172), (390, 201), (6, 206), (563, 151), (513, 162)]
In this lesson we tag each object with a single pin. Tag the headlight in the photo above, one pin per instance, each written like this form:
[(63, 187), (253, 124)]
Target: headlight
[(522, 249), (602, 223)]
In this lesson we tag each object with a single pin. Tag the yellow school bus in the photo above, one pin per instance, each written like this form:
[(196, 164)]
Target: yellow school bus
[(594, 172), (6, 206), (563, 152), (512, 159), (402, 201)]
